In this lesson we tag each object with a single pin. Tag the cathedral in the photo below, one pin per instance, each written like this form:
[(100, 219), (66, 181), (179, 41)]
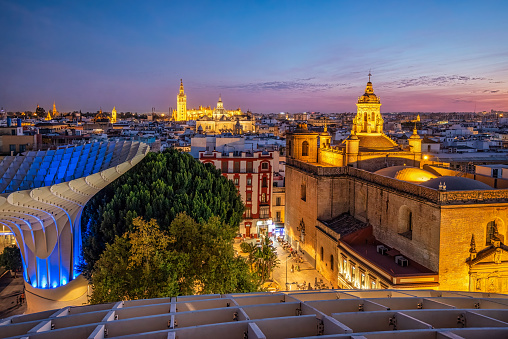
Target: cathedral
[(213, 120), (371, 214)]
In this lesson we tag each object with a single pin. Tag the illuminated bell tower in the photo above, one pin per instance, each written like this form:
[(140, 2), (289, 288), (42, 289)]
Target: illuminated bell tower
[(113, 115), (368, 118), (54, 112), (181, 105)]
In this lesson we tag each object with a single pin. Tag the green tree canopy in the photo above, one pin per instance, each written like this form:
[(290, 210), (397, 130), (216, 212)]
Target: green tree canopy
[(11, 258), (159, 187), (150, 263)]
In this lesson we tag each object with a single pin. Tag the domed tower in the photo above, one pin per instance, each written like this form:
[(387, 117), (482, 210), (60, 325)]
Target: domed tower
[(181, 105), (219, 111), (325, 139), (238, 129), (368, 124), (368, 117), (302, 144), (415, 142)]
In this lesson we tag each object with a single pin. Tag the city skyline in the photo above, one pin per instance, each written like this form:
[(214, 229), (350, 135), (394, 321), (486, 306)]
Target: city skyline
[(263, 56)]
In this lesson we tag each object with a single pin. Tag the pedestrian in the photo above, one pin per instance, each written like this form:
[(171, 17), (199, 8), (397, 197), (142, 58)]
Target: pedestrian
[(292, 268)]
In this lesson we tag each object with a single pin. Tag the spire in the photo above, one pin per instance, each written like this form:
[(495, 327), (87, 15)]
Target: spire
[(472, 248), (369, 89), (181, 86)]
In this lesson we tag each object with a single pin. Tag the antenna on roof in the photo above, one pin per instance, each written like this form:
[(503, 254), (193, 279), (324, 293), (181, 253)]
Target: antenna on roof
[(369, 75)]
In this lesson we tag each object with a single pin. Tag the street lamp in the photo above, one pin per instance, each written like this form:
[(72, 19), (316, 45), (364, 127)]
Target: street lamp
[(289, 257)]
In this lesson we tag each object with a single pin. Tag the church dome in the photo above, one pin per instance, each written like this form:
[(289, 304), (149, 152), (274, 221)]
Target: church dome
[(456, 184), (406, 173), (375, 142), (369, 96)]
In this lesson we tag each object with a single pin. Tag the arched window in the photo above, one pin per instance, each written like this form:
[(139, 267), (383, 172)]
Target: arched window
[(303, 192), (331, 261), (405, 222), (305, 149), (322, 254)]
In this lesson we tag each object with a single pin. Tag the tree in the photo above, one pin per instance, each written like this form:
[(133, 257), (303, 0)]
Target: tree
[(139, 265), (160, 187), (189, 258), (11, 258), (262, 258)]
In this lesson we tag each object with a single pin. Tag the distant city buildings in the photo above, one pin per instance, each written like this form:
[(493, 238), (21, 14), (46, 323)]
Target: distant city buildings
[(214, 120)]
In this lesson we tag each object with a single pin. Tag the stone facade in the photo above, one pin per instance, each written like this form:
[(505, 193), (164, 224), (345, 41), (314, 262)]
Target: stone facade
[(429, 228)]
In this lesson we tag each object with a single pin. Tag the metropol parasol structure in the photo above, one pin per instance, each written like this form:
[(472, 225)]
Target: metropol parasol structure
[(42, 196)]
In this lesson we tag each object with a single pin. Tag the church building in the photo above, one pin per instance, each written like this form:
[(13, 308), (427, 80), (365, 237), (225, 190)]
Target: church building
[(214, 120), (370, 214)]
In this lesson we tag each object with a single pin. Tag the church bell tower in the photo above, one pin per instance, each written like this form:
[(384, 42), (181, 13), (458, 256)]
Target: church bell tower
[(181, 105), (368, 117)]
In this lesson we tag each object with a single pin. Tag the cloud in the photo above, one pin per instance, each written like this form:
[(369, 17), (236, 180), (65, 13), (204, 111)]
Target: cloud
[(289, 85), (443, 80), (455, 101), (491, 91)]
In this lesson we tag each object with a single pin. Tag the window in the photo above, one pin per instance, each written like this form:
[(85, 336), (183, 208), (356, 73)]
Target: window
[(248, 213), (321, 253), (332, 262), (405, 222), (344, 265), (362, 280), (22, 148), (264, 212), (236, 167), (277, 217), (224, 167), (288, 148), (265, 182), (353, 273), (249, 167), (263, 197), (373, 285), (277, 201), (237, 181), (12, 148), (248, 196), (303, 192), (249, 181), (264, 165), (305, 149)]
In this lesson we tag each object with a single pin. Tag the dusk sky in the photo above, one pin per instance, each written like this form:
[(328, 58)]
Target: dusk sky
[(266, 56)]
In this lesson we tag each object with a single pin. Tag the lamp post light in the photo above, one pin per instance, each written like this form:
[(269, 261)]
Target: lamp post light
[(289, 257)]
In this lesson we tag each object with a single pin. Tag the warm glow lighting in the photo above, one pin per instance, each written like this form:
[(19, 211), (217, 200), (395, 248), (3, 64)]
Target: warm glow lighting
[(425, 157)]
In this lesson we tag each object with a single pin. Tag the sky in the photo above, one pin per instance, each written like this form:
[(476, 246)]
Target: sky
[(265, 56)]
